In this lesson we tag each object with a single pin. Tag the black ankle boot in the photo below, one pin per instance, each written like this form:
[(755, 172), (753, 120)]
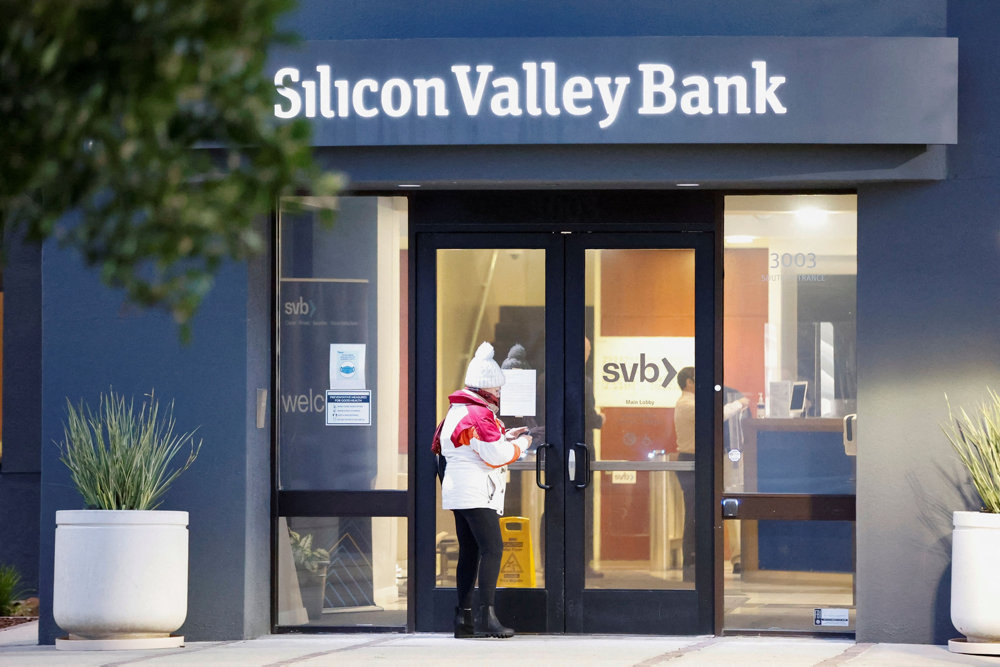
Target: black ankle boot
[(464, 626), (489, 626)]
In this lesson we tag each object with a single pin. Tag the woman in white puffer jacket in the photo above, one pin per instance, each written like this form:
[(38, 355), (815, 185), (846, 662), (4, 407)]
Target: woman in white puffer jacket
[(477, 449)]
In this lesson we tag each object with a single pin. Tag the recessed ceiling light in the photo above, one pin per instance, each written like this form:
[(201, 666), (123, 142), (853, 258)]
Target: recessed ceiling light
[(688, 185), (409, 185), (810, 215)]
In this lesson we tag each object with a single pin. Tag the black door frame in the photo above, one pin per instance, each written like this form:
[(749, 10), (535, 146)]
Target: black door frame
[(313, 503), (536, 609), (558, 214), (686, 611)]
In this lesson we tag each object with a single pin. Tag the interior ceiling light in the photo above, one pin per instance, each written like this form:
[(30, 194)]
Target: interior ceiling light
[(409, 185), (740, 239), (688, 185), (811, 215)]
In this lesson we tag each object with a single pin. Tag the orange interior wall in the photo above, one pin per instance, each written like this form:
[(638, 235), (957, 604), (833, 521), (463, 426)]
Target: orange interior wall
[(647, 292), (744, 317)]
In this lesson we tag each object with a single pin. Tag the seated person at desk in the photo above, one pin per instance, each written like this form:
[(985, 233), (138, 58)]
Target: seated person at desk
[(684, 427)]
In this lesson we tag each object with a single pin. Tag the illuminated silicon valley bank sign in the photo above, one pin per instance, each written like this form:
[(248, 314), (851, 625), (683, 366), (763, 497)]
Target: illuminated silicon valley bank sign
[(539, 92), (622, 90)]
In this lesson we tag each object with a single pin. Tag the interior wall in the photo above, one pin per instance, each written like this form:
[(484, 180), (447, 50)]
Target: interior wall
[(465, 285), (744, 317)]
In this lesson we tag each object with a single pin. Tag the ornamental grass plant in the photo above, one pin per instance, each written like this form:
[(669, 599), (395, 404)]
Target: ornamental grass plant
[(11, 590), (121, 457), (976, 438)]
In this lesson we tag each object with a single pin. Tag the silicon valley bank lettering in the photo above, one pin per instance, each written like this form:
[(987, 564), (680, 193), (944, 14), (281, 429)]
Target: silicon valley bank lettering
[(538, 90)]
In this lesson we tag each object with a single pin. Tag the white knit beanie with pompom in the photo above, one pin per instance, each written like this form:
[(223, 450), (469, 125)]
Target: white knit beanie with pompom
[(483, 371)]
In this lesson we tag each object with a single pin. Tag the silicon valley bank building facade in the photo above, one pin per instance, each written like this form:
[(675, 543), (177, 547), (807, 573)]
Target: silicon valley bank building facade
[(798, 199)]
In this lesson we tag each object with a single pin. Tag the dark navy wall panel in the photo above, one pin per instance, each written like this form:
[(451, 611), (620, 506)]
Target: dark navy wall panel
[(19, 500), (928, 317), (805, 546), (257, 514), (92, 342), (789, 462), (582, 167), (398, 19), (22, 359)]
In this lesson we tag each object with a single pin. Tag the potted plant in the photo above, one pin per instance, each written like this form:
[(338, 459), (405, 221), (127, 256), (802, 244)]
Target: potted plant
[(310, 566), (975, 586), (121, 565)]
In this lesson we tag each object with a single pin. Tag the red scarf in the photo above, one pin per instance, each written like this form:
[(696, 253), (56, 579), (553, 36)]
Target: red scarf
[(492, 402), (492, 399)]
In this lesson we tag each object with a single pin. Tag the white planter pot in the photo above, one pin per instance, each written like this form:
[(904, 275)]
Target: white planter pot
[(975, 584), (120, 574)]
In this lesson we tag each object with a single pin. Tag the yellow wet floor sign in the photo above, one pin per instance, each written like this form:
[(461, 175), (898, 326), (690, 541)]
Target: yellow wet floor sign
[(517, 566)]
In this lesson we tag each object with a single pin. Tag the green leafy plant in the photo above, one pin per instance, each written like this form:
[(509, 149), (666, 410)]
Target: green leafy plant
[(976, 438), (307, 558), (11, 590), (120, 458), (152, 124)]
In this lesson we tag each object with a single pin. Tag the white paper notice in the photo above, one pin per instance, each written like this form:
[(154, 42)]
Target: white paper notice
[(349, 408), (517, 397), (779, 395), (347, 366)]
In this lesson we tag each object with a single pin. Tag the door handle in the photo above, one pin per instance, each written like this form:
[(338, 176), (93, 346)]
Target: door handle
[(540, 457), (730, 507), (586, 466)]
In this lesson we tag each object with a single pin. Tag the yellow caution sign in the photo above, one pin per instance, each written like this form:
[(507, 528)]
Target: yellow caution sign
[(517, 567)]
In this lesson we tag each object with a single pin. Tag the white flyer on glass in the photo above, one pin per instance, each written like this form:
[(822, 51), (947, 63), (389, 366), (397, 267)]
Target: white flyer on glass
[(349, 408), (347, 366), (517, 396)]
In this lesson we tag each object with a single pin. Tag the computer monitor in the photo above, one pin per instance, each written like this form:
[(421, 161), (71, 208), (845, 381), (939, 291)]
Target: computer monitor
[(797, 403)]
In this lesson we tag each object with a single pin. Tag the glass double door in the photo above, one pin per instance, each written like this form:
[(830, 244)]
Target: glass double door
[(608, 516)]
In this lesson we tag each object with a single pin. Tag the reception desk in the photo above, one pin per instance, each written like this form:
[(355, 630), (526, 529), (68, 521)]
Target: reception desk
[(796, 496), (796, 456)]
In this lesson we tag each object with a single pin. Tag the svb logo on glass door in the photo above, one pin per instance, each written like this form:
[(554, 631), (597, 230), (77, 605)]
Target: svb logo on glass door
[(638, 371)]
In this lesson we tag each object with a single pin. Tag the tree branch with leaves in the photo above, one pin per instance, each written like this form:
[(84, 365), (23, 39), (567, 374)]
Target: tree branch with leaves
[(141, 133)]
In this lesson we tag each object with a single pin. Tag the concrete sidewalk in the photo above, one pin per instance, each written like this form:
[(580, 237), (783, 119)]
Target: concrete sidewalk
[(17, 647)]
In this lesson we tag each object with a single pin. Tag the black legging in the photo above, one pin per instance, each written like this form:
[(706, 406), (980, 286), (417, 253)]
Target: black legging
[(480, 547)]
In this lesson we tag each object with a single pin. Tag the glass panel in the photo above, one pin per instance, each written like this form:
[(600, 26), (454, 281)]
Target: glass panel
[(799, 576), (524, 507), (789, 351), (496, 295), (639, 533), (342, 327), (342, 571), (641, 539), (789, 341)]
